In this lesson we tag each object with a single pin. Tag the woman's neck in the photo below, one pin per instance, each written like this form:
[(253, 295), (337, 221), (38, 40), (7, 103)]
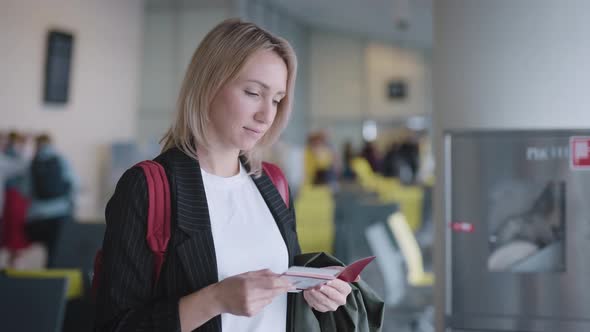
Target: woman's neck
[(220, 163)]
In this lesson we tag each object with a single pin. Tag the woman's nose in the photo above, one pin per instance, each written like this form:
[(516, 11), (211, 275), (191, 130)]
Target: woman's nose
[(266, 113)]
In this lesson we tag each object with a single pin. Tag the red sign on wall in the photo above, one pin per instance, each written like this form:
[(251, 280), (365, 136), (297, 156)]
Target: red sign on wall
[(580, 152), (462, 227)]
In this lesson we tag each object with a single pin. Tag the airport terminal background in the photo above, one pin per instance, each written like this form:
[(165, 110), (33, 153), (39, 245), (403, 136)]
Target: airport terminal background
[(451, 139)]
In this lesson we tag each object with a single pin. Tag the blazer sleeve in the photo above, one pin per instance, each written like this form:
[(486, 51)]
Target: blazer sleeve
[(125, 298)]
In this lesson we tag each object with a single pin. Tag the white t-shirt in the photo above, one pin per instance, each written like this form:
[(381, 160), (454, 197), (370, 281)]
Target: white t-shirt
[(246, 238)]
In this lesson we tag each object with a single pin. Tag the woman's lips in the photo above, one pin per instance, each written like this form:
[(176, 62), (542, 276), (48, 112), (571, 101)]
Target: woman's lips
[(257, 131)]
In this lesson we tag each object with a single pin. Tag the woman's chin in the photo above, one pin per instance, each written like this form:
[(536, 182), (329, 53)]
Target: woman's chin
[(246, 146)]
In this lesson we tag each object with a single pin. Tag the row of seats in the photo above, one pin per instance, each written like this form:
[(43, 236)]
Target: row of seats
[(72, 265), (410, 198), (73, 278), (314, 208), (408, 286), (32, 304), (351, 212), (324, 215)]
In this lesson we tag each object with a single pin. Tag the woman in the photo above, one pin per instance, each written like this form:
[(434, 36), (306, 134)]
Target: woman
[(231, 233)]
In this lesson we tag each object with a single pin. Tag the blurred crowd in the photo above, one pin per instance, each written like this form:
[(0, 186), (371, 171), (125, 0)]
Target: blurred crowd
[(36, 196), (37, 184), (401, 160)]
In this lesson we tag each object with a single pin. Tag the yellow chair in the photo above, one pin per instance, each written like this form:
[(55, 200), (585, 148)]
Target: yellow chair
[(314, 162), (410, 199), (387, 187), (74, 277), (391, 190), (410, 250), (364, 173), (314, 208)]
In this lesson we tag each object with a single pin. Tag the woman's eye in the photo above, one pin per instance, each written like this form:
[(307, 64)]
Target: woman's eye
[(249, 93)]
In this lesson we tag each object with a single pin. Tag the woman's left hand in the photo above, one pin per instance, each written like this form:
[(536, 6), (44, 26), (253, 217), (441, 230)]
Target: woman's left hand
[(329, 296)]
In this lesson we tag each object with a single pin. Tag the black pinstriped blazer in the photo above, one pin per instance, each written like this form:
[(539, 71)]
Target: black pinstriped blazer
[(126, 300)]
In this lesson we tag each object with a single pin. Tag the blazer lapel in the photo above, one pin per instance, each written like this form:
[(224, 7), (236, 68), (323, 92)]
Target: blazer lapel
[(280, 212), (197, 250)]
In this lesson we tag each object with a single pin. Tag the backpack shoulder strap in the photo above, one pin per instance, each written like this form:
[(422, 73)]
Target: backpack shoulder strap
[(277, 177), (159, 212)]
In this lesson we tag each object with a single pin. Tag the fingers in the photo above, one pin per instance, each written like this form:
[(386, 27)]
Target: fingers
[(274, 283), (248, 293), (263, 272), (267, 287), (258, 294), (329, 296), (319, 301), (267, 279), (341, 286), (281, 282), (334, 295)]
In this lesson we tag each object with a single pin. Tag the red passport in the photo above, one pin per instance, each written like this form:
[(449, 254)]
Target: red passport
[(353, 270), (308, 277)]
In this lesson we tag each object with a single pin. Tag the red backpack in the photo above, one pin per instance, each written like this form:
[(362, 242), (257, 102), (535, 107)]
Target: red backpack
[(159, 213)]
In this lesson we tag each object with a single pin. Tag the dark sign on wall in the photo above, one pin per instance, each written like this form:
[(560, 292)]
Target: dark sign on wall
[(57, 67), (397, 89)]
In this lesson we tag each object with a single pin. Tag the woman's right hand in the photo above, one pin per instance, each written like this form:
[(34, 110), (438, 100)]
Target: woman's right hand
[(248, 293)]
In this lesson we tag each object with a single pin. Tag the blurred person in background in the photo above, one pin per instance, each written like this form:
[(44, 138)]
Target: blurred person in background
[(16, 148), (347, 155), (10, 167), (52, 194), (232, 234), (370, 153), (409, 155), (15, 197), (402, 159), (391, 160), (320, 161)]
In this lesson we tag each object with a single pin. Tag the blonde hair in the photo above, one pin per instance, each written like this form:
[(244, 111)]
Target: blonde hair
[(216, 62)]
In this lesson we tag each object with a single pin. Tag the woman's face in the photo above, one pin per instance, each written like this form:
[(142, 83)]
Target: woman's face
[(245, 108)]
